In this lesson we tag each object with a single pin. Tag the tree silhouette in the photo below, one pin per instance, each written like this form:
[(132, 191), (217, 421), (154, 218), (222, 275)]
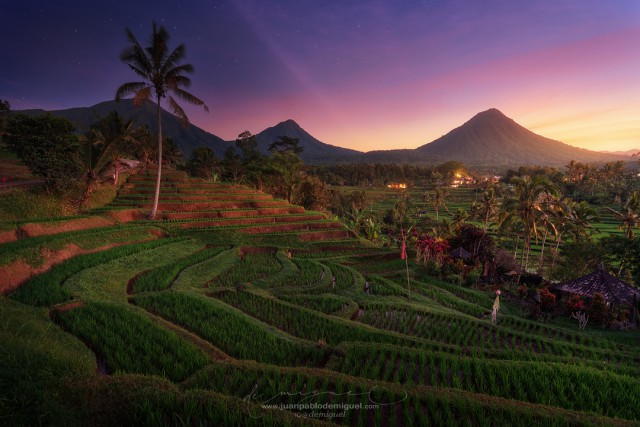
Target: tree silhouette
[(105, 143), (162, 75)]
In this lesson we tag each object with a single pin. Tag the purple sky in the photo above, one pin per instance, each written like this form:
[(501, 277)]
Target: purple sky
[(361, 74)]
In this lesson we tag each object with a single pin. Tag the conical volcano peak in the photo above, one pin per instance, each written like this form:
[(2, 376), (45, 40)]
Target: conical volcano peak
[(491, 114), (289, 123), (491, 138)]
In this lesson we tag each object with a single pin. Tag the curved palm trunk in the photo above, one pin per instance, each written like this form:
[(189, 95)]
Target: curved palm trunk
[(116, 171), (88, 190), (524, 254), (156, 197), (541, 261), (555, 255)]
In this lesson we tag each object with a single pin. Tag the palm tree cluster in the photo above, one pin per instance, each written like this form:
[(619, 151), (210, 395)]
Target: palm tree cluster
[(532, 210)]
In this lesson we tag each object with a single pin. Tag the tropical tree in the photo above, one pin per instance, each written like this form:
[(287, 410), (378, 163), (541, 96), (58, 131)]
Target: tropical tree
[(622, 255), (105, 144), (47, 145), (286, 163), (459, 217), (314, 194), (546, 217), (573, 219), (613, 177), (232, 165), (437, 199), (487, 207), (364, 224), (526, 203), (144, 146), (630, 216), (162, 76), (254, 165), (203, 162), (171, 154)]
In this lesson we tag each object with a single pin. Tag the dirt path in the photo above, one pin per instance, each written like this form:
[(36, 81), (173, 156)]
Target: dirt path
[(8, 236), (47, 228)]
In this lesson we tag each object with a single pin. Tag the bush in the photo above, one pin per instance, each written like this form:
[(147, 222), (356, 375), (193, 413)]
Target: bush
[(598, 308), (432, 268), (472, 277), (523, 292)]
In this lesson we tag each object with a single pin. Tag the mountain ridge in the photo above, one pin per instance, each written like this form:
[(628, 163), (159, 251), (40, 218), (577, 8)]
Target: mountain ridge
[(187, 138), (489, 138)]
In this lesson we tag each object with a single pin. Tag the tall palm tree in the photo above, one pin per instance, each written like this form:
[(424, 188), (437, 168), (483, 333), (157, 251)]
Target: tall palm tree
[(573, 219), (630, 216), (487, 207), (459, 217), (526, 203), (162, 75), (437, 199), (548, 218)]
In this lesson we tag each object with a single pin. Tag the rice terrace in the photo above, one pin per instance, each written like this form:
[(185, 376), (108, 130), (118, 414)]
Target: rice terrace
[(153, 273), (236, 303)]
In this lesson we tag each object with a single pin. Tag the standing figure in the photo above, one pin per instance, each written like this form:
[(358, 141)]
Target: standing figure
[(496, 306)]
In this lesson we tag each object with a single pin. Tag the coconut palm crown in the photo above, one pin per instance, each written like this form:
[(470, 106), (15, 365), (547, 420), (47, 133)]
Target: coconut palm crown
[(162, 77)]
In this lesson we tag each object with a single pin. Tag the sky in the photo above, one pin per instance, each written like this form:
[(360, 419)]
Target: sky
[(360, 74)]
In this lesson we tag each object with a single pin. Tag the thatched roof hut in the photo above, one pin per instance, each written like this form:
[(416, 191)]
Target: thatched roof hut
[(460, 253), (614, 290)]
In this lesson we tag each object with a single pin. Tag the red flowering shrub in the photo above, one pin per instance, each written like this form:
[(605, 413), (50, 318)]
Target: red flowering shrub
[(431, 248), (576, 303), (547, 299)]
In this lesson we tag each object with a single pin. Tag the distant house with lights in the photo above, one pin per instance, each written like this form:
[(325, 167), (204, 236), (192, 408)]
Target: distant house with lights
[(460, 180), (397, 185)]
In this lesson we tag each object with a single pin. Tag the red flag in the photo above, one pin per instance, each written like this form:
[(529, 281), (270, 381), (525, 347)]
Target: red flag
[(403, 253)]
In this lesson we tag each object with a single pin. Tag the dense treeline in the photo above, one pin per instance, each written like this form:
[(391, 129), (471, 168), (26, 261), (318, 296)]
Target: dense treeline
[(381, 174)]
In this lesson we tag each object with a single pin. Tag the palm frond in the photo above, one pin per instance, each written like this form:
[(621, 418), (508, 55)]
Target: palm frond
[(178, 111), (141, 72), (142, 95), (158, 47), (181, 81), (129, 89), (174, 58), (190, 98)]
